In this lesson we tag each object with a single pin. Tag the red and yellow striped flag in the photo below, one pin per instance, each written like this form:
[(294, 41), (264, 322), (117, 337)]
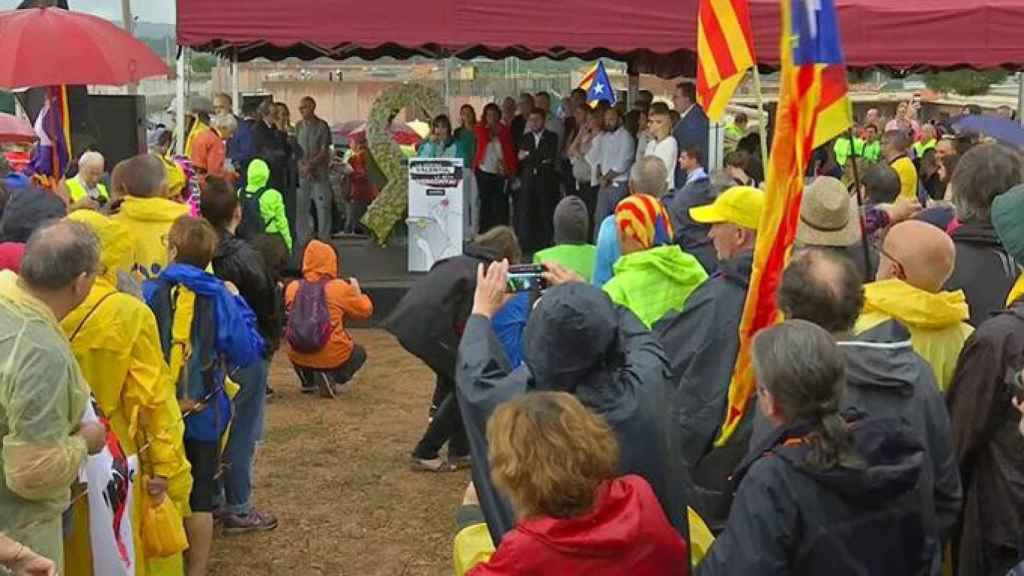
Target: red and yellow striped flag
[(725, 51), (813, 109)]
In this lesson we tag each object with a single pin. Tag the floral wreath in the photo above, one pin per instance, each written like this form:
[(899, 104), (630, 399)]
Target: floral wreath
[(392, 202)]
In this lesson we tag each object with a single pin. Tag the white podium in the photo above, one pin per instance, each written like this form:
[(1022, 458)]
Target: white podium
[(436, 204)]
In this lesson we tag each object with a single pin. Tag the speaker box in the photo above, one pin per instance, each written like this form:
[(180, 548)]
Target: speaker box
[(120, 126)]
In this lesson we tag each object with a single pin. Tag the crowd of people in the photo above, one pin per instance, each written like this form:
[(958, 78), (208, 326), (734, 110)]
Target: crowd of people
[(885, 435)]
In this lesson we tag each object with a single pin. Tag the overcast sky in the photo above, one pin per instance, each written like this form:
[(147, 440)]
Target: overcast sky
[(145, 10)]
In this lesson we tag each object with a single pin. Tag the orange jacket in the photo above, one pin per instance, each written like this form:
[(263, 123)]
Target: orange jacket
[(320, 262)]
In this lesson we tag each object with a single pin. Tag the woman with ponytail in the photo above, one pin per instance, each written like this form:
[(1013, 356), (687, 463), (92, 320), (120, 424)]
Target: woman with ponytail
[(829, 493)]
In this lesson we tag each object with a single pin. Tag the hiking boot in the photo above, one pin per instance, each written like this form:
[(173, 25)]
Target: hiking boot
[(251, 522)]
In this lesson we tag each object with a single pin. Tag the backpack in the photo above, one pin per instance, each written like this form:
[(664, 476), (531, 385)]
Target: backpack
[(252, 224), (309, 323), (200, 380)]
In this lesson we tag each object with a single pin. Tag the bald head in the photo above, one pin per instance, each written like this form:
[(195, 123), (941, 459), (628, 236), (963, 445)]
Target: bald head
[(822, 286), (925, 253)]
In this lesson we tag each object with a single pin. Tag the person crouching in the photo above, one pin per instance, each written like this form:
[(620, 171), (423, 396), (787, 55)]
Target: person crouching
[(319, 347)]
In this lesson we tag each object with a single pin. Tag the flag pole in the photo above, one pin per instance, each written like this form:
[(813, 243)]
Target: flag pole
[(856, 193), (762, 124)]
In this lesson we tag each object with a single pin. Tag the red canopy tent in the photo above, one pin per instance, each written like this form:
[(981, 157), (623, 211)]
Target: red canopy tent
[(657, 36)]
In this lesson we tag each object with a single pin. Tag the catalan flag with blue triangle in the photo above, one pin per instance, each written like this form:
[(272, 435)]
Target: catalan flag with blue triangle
[(598, 86), (814, 107)]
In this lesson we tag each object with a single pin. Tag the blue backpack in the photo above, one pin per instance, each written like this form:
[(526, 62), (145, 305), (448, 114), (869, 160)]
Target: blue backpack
[(309, 323)]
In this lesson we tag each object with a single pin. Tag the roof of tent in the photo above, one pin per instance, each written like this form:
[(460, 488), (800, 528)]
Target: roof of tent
[(652, 35)]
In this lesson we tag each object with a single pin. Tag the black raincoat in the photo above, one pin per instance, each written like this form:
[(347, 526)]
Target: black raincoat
[(576, 341), (887, 379), (790, 518), (236, 261), (702, 341), (983, 270), (429, 319)]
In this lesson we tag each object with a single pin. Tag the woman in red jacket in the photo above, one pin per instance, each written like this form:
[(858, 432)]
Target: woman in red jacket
[(495, 163), (556, 462)]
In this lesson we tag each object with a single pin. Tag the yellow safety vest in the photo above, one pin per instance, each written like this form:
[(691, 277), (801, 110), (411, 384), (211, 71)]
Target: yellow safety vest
[(77, 191)]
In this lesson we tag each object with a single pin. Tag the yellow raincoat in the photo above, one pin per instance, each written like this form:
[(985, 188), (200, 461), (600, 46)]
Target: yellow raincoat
[(1016, 291), (42, 399), (149, 220), (118, 349), (936, 321)]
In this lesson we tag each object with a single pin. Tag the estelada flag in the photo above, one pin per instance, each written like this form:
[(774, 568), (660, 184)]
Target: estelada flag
[(813, 109), (725, 51), (598, 86)]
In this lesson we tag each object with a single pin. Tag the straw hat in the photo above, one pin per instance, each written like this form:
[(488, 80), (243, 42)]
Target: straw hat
[(828, 215)]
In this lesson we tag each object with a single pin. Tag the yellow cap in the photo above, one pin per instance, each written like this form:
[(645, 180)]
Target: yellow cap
[(739, 205)]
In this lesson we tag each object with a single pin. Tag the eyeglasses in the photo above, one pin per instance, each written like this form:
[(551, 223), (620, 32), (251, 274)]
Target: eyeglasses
[(900, 272)]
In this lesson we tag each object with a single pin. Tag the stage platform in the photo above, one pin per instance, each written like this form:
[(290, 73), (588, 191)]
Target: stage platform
[(381, 271)]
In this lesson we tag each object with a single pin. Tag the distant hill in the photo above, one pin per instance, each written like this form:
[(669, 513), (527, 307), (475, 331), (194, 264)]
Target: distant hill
[(156, 30)]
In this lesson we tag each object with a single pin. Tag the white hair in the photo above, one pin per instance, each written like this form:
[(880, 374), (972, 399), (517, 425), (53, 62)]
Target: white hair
[(224, 123), (91, 157)]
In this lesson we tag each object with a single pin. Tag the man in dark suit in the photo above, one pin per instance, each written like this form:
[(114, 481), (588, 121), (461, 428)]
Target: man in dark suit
[(692, 128), (535, 205)]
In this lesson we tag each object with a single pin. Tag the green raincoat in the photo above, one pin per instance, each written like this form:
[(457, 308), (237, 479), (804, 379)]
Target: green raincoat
[(43, 396), (271, 203), (654, 282)]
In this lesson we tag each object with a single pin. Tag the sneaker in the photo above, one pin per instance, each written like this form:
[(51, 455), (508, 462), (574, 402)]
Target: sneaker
[(460, 462), (306, 390), (326, 387), (430, 465), (252, 522)]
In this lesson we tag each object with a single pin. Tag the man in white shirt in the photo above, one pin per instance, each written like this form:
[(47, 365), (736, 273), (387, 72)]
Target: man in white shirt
[(611, 156)]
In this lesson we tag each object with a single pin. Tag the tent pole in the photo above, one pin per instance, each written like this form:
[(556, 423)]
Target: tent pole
[(235, 96), (179, 108), (448, 83), (634, 87), (1020, 97), (762, 124)]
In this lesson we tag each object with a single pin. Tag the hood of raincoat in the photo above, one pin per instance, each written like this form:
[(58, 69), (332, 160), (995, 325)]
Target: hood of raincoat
[(915, 307), (612, 528), (882, 357), (152, 209), (13, 293), (570, 337), (320, 262), (891, 455), (666, 261), (257, 175), (117, 245)]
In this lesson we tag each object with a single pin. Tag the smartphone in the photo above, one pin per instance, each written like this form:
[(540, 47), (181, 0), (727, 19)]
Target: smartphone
[(526, 278)]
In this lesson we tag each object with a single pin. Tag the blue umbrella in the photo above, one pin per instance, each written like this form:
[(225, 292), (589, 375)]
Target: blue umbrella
[(1008, 132)]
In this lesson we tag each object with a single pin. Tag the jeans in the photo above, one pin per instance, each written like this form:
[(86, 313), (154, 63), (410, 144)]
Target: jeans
[(608, 197), (339, 375), (315, 191), (445, 427), (246, 430)]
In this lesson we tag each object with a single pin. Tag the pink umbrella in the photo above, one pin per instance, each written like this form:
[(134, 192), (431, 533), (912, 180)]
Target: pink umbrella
[(15, 129)]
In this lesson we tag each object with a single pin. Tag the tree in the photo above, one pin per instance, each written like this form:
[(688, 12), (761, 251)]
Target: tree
[(965, 82), (203, 63)]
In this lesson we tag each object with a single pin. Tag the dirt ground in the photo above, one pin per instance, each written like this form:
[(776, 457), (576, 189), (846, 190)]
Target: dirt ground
[(336, 474)]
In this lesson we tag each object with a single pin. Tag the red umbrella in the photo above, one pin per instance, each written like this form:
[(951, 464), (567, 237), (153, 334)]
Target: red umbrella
[(51, 46), (14, 129)]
